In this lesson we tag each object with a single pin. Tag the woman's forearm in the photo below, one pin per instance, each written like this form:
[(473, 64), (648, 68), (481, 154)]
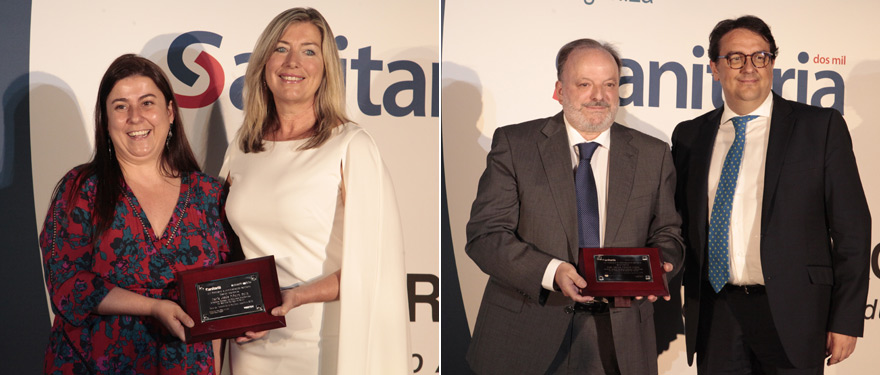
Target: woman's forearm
[(120, 301), (124, 302), (322, 290), (325, 289)]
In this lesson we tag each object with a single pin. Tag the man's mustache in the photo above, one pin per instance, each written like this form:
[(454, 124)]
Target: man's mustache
[(597, 104)]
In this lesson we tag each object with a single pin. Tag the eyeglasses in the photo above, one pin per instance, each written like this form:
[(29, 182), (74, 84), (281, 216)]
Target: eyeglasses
[(737, 60)]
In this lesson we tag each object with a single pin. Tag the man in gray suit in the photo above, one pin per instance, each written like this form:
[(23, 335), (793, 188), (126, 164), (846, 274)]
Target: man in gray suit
[(525, 230)]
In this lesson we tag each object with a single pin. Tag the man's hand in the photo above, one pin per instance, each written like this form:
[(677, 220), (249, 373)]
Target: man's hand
[(667, 267), (571, 283), (839, 347)]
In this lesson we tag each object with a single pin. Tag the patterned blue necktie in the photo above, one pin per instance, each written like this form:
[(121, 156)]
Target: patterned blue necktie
[(587, 197), (719, 223)]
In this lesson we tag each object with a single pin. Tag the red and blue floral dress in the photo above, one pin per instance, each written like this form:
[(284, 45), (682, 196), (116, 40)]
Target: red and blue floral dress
[(80, 272)]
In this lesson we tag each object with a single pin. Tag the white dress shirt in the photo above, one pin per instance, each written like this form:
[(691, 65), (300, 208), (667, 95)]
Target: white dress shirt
[(599, 164), (744, 248)]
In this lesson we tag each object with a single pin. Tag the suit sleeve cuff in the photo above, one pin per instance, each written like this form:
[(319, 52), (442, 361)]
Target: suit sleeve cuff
[(550, 274)]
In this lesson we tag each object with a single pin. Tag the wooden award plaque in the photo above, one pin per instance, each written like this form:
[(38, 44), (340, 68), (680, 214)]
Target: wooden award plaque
[(622, 272), (230, 299)]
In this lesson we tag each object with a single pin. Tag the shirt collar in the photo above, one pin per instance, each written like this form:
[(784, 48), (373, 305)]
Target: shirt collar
[(763, 110)]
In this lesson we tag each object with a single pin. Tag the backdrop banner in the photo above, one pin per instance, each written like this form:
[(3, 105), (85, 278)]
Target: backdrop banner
[(499, 69), (389, 52)]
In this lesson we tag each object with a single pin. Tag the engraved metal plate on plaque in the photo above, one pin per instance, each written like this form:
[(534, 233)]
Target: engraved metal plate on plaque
[(627, 268), (231, 296)]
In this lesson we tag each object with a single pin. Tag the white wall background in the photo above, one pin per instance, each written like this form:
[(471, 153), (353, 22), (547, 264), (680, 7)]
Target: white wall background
[(498, 69), (72, 43)]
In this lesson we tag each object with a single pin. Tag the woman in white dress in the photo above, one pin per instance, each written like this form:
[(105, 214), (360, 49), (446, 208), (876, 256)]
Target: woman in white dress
[(309, 187)]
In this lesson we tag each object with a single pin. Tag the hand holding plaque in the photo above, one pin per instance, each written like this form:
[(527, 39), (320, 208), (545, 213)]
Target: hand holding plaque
[(230, 299), (570, 282), (623, 272)]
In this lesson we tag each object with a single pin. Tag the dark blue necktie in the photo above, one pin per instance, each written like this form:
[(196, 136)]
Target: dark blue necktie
[(719, 223), (587, 197)]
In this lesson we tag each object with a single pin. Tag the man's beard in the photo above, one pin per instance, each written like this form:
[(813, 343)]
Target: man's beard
[(581, 122)]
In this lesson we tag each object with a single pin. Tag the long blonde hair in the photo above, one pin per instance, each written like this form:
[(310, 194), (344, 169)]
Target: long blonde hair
[(260, 114)]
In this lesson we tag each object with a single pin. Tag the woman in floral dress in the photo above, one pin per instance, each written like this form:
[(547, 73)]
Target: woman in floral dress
[(121, 227)]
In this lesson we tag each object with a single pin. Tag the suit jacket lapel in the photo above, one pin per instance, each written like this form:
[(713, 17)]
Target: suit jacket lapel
[(781, 126), (556, 159), (622, 160)]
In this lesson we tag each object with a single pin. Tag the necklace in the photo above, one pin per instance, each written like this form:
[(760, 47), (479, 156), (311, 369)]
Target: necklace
[(178, 210)]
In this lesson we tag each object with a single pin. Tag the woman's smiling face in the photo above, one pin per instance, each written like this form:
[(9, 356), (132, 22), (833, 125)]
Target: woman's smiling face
[(138, 119), (296, 67)]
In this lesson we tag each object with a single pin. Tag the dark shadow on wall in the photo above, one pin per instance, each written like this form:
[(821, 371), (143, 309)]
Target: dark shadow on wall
[(24, 314), (58, 140), (464, 159), (461, 113), (24, 319), (46, 143), (60, 135), (668, 322), (215, 141), (456, 336)]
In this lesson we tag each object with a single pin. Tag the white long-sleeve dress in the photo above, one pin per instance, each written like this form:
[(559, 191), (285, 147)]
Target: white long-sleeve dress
[(318, 211)]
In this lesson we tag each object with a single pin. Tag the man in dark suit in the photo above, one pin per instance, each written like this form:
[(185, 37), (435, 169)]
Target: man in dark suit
[(774, 218), (525, 230)]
